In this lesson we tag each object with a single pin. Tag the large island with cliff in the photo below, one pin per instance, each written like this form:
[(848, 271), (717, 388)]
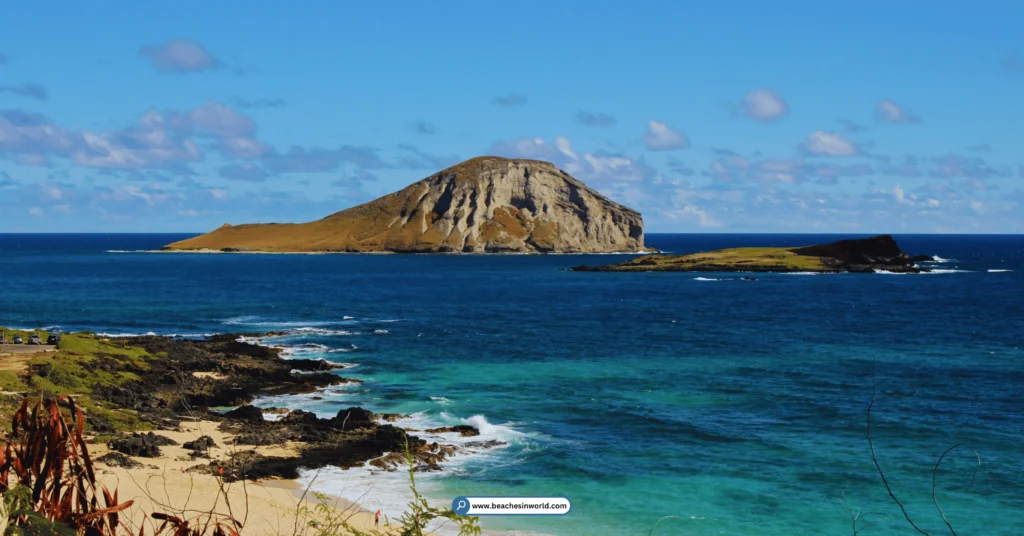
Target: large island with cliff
[(876, 254), (484, 205)]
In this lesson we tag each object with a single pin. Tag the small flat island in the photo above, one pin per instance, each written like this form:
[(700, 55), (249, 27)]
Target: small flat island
[(878, 253)]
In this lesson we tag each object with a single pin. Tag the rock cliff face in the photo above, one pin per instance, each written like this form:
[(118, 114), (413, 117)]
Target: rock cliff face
[(486, 204)]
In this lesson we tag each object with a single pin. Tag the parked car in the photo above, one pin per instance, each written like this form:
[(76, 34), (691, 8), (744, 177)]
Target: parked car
[(53, 339), (17, 339), (3, 339), (35, 339)]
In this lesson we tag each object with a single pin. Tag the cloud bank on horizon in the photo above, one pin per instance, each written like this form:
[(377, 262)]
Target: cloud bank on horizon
[(713, 120)]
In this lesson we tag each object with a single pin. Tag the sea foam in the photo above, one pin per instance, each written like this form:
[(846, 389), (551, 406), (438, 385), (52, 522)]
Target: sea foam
[(374, 488)]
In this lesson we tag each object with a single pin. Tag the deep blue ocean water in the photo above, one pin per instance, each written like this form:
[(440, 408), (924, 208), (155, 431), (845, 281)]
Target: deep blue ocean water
[(736, 406)]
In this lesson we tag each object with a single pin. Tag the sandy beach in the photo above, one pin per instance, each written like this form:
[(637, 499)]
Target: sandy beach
[(270, 507)]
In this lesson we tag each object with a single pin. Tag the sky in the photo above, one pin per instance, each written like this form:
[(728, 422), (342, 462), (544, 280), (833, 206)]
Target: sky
[(790, 116)]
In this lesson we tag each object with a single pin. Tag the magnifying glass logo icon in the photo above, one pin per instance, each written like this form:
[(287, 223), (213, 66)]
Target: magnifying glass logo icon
[(460, 505)]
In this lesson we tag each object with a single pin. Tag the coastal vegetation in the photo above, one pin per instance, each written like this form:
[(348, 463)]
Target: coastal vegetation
[(110, 395)]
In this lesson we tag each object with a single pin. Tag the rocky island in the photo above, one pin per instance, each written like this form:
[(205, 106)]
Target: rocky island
[(484, 205), (879, 253)]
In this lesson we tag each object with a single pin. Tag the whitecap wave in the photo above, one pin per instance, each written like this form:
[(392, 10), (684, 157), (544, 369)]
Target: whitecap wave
[(108, 335), (381, 331), (346, 317), (252, 320), (998, 271), (43, 328), (887, 272), (501, 432), (314, 401), (705, 279), (946, 271), (938, 259), (802, 273), (310, 330), (123, 335), (444, 401)]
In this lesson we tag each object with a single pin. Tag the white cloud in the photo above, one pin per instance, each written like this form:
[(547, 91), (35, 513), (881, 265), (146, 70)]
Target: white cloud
[(764, 105), (35, 211), (823, 143), (179, 56), (212, 119), (891, 112), (565, 147), (51, 192), (693, 212), (599, 168), (243, 148), (661, 137)]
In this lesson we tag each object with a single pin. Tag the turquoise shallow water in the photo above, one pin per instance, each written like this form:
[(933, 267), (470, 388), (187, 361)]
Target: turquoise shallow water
[(737, 407)]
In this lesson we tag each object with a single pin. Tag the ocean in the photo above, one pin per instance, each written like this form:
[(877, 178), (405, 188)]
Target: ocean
[(716, 405)]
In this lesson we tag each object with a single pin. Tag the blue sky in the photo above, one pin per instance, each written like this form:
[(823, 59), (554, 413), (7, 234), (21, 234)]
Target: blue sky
[(706, 116)]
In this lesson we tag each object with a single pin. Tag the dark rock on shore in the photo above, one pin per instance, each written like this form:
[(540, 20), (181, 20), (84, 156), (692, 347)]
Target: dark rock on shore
[(188, 377), (349, 439), (462, 429), (219, 371), (143, 445), (204, 443), (245, 413), (117, 459), (313, 365)]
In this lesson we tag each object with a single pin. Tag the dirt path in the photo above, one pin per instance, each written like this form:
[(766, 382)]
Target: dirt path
[(15, 357)]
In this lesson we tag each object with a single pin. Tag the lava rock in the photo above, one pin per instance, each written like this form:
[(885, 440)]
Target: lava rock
[(143, 445), (201, 445), (462, 429), (245, 413)]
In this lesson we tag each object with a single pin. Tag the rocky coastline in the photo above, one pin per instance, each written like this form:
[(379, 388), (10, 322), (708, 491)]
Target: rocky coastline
[(194, 380)]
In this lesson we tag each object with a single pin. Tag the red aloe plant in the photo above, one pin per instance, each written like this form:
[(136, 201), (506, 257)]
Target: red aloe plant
[(47, 456)]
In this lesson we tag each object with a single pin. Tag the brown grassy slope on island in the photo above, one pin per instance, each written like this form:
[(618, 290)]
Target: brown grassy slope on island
[(857, 255), (724, 260), (487, 204)]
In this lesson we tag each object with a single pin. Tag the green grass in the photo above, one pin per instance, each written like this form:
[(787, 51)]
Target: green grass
[(75, 367), (82, 364), (121, 420), (88, 347), (11, 382)]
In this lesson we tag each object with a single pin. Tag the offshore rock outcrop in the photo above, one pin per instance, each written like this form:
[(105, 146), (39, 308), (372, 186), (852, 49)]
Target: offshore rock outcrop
[(875, 254), (484, 205)]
